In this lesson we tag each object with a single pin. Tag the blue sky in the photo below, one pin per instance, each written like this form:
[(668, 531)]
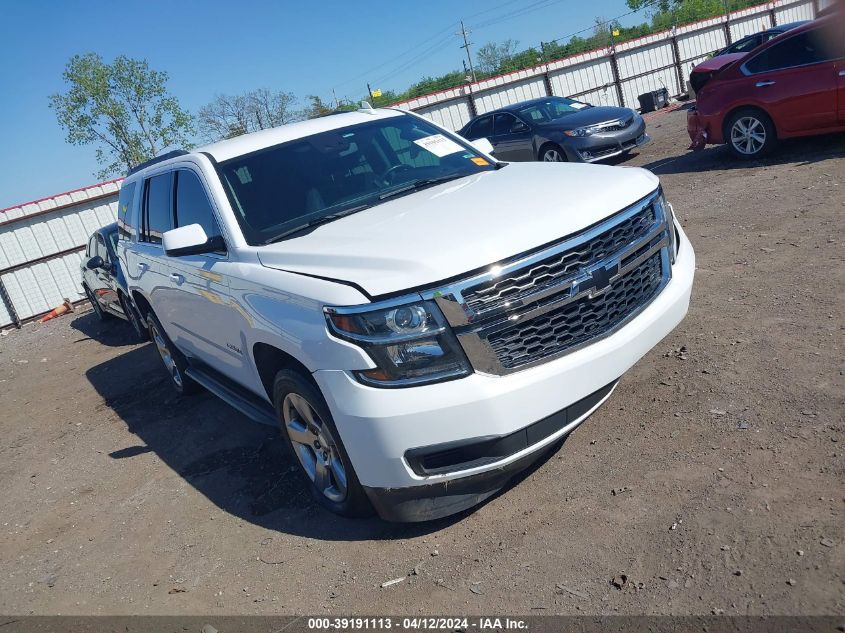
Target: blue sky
[(215, 47)]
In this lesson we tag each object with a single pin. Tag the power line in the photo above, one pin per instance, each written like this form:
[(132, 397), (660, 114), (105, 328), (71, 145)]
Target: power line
[(396, 57), (535, 6)]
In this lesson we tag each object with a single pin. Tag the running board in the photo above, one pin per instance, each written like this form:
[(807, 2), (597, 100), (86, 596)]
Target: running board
[(235, 396)]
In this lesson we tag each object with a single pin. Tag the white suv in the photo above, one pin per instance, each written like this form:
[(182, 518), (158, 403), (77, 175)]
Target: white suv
[(421, 320)]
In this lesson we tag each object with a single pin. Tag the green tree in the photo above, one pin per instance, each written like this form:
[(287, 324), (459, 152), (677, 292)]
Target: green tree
[(123, 108), (491, 58)]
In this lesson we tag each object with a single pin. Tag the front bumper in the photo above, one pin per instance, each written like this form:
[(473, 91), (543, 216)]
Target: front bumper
[(598, 147), (380, 426)]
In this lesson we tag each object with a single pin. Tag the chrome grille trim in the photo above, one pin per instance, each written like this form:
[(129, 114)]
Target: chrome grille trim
[(474, 327)]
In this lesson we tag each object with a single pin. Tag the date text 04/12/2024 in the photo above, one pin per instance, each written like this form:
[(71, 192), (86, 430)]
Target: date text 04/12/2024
[(417, 624)]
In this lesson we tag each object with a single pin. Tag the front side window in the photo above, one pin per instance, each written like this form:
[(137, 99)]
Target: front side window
[(809, 47), (551, 109), (280, 190), (102, 251), (483, 128), (158, 212), (502, 123), (192, 205)]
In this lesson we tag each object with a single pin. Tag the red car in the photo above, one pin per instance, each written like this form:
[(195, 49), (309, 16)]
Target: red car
[(793, 85)]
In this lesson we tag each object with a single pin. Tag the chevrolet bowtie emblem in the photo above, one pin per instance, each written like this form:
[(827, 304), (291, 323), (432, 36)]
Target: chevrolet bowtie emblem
[(596, 280)]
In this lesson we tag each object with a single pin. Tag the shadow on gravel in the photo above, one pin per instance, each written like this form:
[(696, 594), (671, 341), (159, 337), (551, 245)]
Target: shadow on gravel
[(113, 332), (800, 152), (242, 467)]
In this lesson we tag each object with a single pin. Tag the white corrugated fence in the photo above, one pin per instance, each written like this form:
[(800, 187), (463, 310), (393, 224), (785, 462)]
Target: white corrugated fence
[(614, 75)]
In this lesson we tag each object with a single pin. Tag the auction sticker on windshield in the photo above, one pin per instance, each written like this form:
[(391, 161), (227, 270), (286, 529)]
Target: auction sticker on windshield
[(439, 145)]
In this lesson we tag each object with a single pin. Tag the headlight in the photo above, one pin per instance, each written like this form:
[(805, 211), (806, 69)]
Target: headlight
[(581, 131), (411, 344), (666, 210)]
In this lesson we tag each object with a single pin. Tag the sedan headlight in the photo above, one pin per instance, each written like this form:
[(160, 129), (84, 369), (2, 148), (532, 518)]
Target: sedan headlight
[(579, 132), (411, 344)]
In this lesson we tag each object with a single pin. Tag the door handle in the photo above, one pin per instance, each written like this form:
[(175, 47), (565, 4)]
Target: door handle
[(142, 267), (842, 73), (763, 84), (177, 278)]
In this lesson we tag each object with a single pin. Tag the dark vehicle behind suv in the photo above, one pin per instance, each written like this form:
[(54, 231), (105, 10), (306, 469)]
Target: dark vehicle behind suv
[(555, 129), (103, 280)]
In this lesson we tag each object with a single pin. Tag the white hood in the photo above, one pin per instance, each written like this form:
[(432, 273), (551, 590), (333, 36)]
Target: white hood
[(460, 226)]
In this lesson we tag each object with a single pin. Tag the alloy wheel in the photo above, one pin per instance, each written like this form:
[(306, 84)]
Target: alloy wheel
[(552, 156), (166, 355), (748, 135), (315, 447)]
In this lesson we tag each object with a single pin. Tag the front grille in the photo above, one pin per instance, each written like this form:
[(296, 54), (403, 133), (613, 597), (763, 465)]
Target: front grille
[(548, 272), (581, 320), (619, 125)]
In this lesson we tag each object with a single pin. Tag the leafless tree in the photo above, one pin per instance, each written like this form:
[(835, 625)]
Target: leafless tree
[(232, 115)]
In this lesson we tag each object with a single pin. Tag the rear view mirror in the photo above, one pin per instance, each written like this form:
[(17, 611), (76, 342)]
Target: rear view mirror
[(95, 262), (483, 145), (190, 240), (519, 126)]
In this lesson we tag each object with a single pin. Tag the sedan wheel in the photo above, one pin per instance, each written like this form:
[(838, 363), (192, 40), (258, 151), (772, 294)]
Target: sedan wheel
[(748, 135), (553, 155), (315, 447)]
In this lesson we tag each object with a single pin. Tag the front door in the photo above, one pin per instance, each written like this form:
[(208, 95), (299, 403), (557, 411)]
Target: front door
[(511, 138), (205, 322)]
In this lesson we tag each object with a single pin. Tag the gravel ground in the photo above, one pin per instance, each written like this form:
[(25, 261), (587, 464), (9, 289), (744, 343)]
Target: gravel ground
[(726, 441)]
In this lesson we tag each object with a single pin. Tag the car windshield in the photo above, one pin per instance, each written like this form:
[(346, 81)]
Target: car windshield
[(551, 109), (279, 190)]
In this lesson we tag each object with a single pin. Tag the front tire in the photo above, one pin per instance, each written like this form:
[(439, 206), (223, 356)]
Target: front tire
[(174, 361), (750, 134), (552, 153), (95, 305), (313, 439)]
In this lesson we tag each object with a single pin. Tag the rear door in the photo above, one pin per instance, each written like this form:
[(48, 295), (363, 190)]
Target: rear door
[(511, 138), (795, 80)]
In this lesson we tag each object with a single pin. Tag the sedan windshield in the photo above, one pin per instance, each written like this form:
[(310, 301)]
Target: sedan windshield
[(278, 191), (551, 109)]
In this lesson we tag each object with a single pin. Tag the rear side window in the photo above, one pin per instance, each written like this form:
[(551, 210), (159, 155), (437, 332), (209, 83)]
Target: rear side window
[(809, 47), (192, 205), (158, 208), (125, 217), (482, 128)]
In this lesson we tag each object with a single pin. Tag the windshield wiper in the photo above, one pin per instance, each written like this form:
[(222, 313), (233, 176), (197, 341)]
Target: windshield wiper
[(323, 219), (416, 185)]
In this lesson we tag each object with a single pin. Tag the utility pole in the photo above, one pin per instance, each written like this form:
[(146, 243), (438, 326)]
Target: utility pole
[(370, 90), (464, 33)]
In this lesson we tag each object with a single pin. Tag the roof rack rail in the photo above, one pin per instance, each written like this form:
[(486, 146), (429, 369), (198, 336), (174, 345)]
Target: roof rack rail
[(157, 159)]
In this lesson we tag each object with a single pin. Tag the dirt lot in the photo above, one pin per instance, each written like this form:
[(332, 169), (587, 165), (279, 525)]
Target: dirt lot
[(118, 498)]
